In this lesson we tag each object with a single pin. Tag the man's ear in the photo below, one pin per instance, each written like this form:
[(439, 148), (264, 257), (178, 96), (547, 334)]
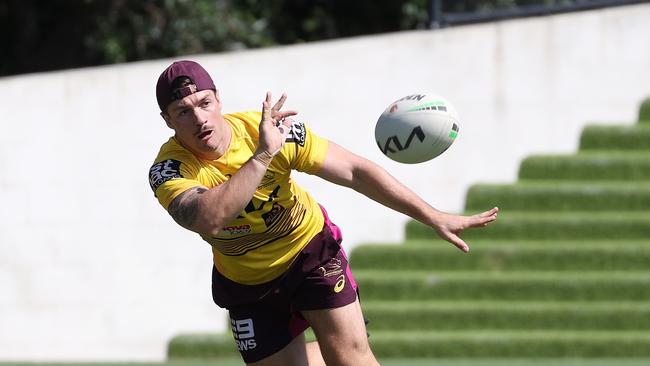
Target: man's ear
[(165, 116)]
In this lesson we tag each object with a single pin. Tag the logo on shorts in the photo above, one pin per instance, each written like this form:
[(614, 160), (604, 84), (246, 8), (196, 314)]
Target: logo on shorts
[(332, 268), (244, 334), (340, 283)]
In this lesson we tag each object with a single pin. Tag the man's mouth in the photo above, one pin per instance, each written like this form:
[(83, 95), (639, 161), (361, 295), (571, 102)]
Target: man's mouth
[(205, 134)]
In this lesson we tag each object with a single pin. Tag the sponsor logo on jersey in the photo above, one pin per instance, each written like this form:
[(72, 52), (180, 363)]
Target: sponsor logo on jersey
[(271, 216), (237, 229), (298, 133), (164, 171), (244, 334)]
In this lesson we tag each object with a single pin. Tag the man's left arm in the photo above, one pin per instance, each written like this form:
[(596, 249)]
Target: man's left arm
[(347, 169)]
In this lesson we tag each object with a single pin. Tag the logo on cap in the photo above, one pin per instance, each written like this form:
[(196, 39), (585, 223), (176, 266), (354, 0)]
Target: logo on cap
[(183, 91)]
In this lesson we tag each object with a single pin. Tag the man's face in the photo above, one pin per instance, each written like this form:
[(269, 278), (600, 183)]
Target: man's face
[(196, 120)]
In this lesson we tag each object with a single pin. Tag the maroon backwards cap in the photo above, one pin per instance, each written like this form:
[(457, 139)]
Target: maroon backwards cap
[(190, 69)]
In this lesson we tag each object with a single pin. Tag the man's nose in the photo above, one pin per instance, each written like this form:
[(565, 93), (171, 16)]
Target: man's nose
[(200, 116)]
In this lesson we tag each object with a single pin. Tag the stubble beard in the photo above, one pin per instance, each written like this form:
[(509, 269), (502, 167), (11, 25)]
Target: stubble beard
[(217, 144)]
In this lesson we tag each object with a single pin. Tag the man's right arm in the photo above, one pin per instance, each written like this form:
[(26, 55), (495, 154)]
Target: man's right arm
[(184, 208), (207, 211)]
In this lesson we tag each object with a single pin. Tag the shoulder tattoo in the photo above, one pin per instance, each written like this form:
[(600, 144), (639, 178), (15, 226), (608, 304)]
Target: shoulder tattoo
[(184, 208)]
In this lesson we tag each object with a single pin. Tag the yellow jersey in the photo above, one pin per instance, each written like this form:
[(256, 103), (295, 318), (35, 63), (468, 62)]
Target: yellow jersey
[(280, 219)]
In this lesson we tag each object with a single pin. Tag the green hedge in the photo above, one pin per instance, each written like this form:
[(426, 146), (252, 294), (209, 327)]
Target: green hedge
[(553, 226), (560, 196), (525, 286), (587, 166), (523, 344), (436, 316), (512, 256), (644, 111), (636, 137), (468, 344)]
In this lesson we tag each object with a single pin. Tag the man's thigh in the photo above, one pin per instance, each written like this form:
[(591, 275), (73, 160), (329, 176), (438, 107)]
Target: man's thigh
[(341, 334), (294, 354), (265, 329)]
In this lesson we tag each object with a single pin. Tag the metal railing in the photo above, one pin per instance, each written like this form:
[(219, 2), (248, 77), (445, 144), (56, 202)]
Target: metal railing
[(439, 19)]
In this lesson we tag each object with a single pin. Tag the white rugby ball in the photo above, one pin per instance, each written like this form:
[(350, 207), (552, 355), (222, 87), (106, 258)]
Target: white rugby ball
[(417, 128)]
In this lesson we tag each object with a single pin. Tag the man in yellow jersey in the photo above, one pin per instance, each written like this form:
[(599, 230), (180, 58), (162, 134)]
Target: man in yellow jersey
[(278, 263)]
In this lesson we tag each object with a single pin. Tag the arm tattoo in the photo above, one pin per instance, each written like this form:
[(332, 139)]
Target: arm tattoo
[(184, 208)]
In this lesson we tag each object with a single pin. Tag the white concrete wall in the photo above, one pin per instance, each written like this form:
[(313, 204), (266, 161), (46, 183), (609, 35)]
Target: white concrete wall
[(92, 268)]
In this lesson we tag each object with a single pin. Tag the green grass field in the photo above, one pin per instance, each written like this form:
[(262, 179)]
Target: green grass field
[(388, 362)]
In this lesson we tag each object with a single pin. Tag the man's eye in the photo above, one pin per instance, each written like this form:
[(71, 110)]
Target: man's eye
[(206, 103), (183, 112)]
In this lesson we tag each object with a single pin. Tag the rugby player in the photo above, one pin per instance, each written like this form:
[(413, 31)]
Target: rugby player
[(278, 263)]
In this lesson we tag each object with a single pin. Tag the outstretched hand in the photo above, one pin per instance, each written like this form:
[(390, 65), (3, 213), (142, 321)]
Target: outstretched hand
[(450, 227), (274, 128)]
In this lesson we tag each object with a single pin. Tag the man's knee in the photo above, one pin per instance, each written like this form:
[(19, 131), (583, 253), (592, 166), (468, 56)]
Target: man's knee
[(346, 349), (348, 354), (341, 333)]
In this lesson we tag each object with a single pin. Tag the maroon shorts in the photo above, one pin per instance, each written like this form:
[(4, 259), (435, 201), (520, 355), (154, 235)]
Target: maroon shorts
[(266, 317)]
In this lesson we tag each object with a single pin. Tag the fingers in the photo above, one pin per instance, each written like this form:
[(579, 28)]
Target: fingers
[(491, 212), (483, 219), (285, 126), (288, 122), (278, 105), (451, 233), (266, 111), (459, 243), (284, 114), (274, 112), (280, 115)]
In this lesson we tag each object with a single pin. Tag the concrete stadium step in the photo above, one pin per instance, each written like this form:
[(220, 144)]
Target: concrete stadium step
[(588, 166), (481, 315), (516, 255), (561, 196), (488, 285), (511, 344), (552, 226), (623, 137)]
